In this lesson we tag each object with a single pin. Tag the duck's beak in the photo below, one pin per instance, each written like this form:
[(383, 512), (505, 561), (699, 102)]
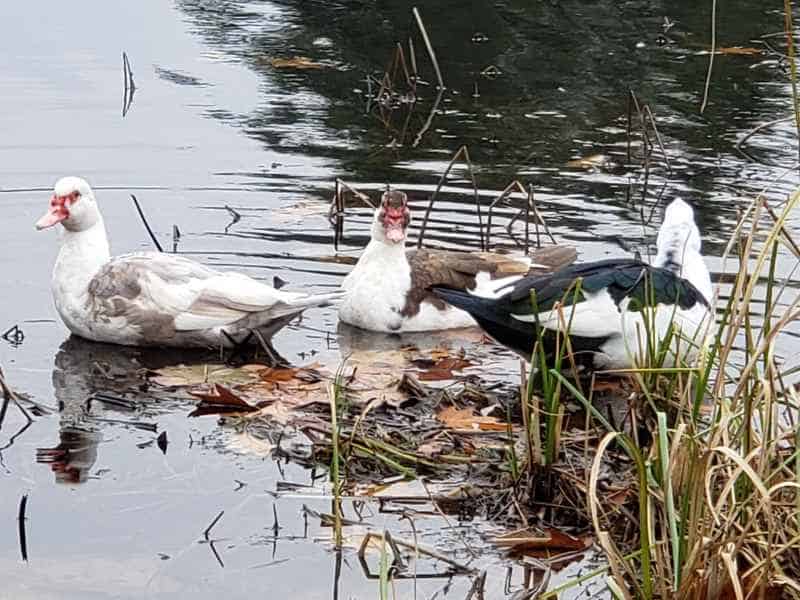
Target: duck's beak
[(54, 216)]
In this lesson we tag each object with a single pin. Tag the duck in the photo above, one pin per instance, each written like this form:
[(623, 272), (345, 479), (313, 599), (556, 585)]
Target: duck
[(388, 289), (609, 308), (153, 298)]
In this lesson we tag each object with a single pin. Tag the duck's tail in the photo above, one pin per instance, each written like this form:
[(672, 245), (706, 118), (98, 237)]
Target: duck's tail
[(309, 300), (482, 309)]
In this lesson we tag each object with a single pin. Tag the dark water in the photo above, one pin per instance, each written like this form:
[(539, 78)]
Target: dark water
[(215, 124)]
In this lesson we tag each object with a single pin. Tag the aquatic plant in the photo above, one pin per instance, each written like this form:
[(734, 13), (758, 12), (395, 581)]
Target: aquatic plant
[(719, 486)]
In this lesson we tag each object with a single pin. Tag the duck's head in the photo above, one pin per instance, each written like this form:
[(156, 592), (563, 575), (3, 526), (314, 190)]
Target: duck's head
[(392, 218), (72, 204), (678, 231)]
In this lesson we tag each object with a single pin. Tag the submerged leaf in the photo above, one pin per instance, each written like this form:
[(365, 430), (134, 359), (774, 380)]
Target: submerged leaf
[(464, 418), (219, 399)]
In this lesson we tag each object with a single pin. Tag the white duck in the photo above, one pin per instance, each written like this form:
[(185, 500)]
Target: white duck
[(150, 298), (388, 290), (621, 308)]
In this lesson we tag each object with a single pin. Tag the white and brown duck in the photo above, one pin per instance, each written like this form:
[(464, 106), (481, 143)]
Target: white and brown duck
[(388, 290), (150, 298)]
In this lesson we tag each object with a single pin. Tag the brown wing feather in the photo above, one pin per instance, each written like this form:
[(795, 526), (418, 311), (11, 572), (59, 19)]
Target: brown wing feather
[(457, 270)]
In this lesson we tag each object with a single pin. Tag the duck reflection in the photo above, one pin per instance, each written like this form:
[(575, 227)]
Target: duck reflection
[(84, 372), (353, 340)]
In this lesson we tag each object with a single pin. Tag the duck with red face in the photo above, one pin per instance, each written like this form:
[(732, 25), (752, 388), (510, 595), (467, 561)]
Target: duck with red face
[(151, 298), (389, 288), (393, 217)]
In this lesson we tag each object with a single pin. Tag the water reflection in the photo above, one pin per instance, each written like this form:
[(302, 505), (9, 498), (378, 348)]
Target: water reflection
[(99, 386), (74, 456), (529, 87)]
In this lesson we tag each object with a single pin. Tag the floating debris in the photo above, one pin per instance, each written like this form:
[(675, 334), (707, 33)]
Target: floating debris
[(296, 62)]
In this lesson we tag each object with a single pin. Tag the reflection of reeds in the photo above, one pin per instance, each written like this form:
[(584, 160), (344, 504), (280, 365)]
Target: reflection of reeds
[(530, 212), (146, 224), (462, 153), (336, 396), (428, 47)]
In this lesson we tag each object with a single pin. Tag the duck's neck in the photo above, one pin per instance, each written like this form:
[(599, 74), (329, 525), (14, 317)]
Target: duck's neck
[(386, 251), (689, 264), (82, 255)]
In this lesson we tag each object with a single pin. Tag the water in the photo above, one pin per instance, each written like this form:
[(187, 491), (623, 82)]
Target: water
[(214, 124)]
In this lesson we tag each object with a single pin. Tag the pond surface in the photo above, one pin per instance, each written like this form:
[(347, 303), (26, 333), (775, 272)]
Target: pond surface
[(216, 129)]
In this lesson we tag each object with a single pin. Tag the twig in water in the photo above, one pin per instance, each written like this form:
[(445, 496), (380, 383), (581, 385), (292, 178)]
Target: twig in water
[(461, 151), (711, 54), (336, 212), (421, 549), (146, 224), (478, 585), (412, 56), (628, 128), (428, 46), (658, 137), (429, 121), (211, 526), (143, 425), (235, 216), (129, 87), (337, 573), (176, 237), (23, 540), (758, 128), (10, 396), (14, 335), (538, 219)]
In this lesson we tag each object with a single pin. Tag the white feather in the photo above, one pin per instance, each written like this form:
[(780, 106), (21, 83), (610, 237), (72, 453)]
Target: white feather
[(596, 316)]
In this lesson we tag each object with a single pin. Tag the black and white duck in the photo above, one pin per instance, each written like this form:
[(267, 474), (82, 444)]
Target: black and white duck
[(615, 304), (388, 290)]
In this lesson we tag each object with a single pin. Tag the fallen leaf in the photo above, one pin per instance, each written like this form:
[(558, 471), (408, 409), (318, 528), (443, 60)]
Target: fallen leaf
[(439, 366), (532, 542), (464, 418), (296, 62), (278, 374), (219, 399)]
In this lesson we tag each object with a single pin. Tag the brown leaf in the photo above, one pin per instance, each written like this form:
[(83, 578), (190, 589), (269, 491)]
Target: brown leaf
[(532, 543), (463, 418), (219, 400), (296, 62), (440, 366), (278, 374), (435, 375)]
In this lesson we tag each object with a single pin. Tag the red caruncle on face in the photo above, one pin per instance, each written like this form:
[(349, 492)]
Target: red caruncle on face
[(59, 210)]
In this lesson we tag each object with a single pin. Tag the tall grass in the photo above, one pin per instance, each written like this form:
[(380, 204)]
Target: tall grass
[(336, 394), (719, 487)]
